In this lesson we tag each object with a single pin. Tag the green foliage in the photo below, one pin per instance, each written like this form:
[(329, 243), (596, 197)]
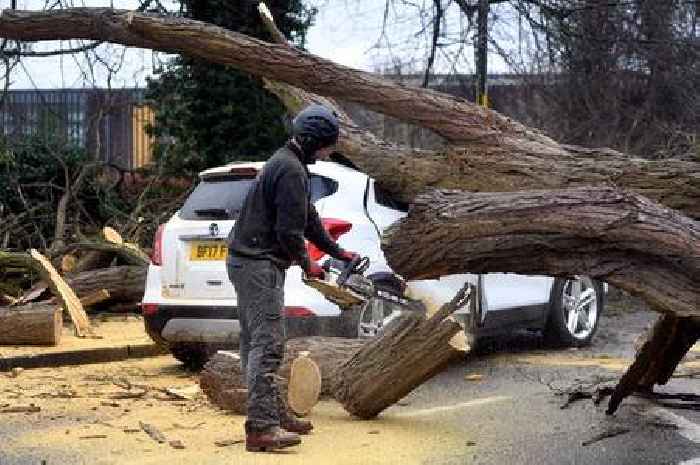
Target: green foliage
[(209, 114)]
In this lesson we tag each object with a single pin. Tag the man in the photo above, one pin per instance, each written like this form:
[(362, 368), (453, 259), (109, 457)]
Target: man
[(268, 238)]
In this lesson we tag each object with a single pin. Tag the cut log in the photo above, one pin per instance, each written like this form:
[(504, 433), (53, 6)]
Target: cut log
[(93, 260), (32, 324), (667, 343), (224, 386), (124, 283), (390, 366), (491, 152), (114, 237), (304, 386), (68, 263), (65, 294), (95, 298)]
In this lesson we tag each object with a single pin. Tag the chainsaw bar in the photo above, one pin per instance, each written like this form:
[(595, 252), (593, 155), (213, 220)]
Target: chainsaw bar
[(343, 297)]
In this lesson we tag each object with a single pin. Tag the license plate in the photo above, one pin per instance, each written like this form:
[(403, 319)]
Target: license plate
[(213, 250)]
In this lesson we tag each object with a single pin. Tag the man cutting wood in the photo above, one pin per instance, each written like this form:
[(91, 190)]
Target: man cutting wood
[(267, 239)]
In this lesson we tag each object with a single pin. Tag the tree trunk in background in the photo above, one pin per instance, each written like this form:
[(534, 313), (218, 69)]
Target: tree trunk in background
[(491, 152)]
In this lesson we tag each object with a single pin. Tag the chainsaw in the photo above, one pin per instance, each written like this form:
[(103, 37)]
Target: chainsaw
[(378, 299)]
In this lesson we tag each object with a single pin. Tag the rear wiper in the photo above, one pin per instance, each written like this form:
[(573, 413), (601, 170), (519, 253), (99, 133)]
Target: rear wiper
[(218, 212)]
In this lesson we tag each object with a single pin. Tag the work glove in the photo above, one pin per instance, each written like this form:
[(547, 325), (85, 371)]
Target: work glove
[(347, 256), (315, 271)]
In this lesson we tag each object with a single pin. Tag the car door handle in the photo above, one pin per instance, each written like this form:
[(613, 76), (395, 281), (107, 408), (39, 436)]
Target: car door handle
[(214, 283)]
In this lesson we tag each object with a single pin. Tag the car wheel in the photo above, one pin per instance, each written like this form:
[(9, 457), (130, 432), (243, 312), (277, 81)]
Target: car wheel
[(574, 311), (194, 354)]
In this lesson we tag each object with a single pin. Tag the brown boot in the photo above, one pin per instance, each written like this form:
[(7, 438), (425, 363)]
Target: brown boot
[(295, 425), (273, 439)]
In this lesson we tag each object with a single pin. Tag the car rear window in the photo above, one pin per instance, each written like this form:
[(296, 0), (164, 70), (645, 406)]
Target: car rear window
[(321, 186), (216, 199)]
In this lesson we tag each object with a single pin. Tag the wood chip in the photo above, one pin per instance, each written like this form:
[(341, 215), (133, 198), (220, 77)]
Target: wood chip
[(94, 436), (153, 432), (176, 444), (186, 393), (16, 371), (197, 426), (474, 377), (228, 442), (109, 404)]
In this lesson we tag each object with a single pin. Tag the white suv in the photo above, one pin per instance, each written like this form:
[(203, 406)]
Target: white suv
[(190, 305)]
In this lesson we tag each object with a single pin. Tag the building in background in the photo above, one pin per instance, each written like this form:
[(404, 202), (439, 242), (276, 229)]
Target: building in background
[(107, 122)]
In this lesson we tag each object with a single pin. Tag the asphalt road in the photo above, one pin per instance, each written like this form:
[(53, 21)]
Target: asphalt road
[(499, 407)]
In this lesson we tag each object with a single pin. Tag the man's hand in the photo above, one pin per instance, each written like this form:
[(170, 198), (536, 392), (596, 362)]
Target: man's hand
[(315, 271), (347, 256)]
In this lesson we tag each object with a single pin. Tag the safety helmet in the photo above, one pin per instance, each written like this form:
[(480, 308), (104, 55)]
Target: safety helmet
[(314, 128)]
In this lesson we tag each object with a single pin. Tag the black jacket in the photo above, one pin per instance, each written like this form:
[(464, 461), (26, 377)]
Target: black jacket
[(277, 214)]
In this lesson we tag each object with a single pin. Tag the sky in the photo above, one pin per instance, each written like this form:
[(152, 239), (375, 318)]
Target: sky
[(349, 32)]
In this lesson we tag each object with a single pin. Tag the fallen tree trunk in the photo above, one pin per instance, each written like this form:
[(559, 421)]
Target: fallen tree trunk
[(32, 324), (222, 381), (667, 343), (495, 152), (607, 234), (101, 253)]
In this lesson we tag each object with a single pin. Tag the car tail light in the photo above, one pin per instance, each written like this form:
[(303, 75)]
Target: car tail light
[(157, 255), (298, 312), (149, 309), (335, 228)]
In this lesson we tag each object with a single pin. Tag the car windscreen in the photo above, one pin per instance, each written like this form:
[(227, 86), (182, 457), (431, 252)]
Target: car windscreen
[(218, 198)]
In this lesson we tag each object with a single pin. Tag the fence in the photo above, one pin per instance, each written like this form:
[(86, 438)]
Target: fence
[(110, 123)]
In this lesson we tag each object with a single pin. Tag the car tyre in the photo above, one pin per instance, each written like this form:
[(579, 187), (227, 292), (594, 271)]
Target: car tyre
[(575, 307), (194, 354)]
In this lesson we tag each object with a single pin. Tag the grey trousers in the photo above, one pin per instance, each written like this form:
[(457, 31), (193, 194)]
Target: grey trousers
[(259, 287)]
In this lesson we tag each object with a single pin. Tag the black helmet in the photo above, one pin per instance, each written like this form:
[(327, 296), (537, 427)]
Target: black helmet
[(314, 128)]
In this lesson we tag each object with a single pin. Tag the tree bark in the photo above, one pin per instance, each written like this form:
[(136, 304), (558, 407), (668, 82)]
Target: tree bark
[(32, 324), (390, 366), (495, 153), (222, 381), (615, 236), (124, 283)]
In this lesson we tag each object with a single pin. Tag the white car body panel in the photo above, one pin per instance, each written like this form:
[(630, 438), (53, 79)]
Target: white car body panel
[(180, 281)]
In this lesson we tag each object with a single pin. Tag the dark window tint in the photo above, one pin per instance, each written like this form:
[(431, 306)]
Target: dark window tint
[(388, 200), (216, 199), (321, 187)]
